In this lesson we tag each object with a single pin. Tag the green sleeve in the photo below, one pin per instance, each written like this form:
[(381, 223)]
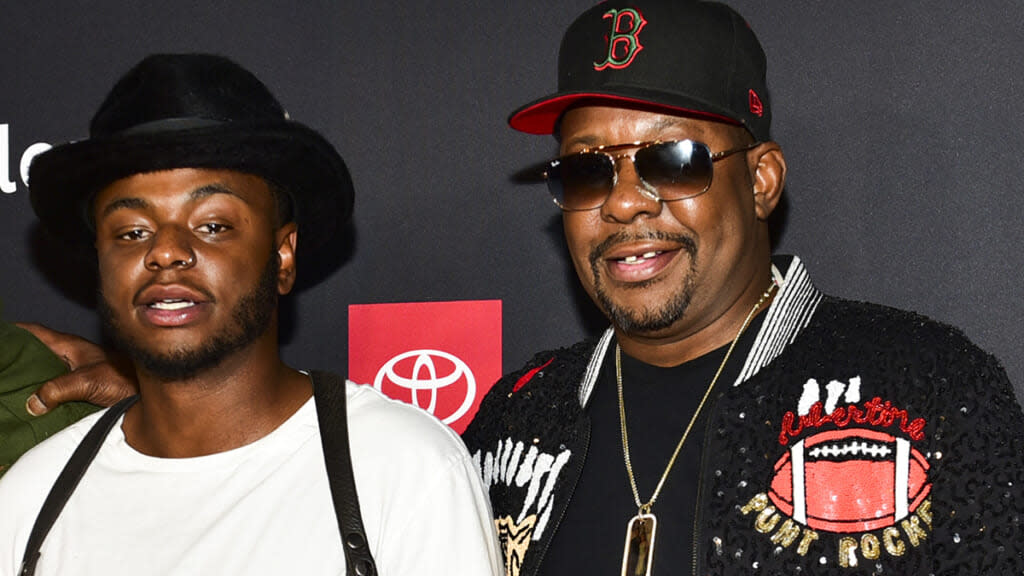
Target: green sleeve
[(25, 363)]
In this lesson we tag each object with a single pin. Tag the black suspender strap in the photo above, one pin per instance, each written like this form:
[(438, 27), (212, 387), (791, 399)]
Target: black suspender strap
[(68, 481), (329, 391)]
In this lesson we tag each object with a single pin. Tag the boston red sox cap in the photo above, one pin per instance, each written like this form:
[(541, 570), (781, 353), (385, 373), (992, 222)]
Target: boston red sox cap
[(684, 57)]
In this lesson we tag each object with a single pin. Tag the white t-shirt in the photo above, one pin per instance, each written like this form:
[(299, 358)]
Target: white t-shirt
[(263, 508)]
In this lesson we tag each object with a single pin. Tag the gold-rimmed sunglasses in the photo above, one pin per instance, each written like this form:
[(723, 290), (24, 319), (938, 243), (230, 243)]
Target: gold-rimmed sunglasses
[(669, 170)]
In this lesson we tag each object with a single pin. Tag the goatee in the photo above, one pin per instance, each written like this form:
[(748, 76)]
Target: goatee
[(659, 315)]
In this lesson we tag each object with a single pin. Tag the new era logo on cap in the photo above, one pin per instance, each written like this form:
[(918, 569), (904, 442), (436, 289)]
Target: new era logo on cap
[(756, 107)]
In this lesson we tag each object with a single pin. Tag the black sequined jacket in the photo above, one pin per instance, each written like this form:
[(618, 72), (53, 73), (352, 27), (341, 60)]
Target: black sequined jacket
[(858, 439)]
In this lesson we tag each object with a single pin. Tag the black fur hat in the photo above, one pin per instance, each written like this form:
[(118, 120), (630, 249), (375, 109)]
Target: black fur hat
[(192, 111)]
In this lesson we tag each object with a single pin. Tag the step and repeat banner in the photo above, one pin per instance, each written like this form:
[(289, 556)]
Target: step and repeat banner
[(900, 121)]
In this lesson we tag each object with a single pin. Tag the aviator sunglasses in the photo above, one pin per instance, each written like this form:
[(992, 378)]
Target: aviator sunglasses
[(673, 170)]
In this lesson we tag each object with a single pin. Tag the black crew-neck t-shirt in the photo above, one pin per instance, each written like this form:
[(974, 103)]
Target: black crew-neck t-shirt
[(659, 404)]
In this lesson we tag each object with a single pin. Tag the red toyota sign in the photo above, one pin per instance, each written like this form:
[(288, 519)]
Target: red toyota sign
[(440, 356)]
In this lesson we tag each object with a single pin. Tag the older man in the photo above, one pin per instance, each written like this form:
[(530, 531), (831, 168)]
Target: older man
[(198, 192), (733, 419)]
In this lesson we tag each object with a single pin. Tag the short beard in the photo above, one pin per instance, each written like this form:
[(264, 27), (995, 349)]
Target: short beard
[(251, 317), (660, 315)]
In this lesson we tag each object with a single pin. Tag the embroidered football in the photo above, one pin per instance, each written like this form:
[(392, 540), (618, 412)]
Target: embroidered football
[(852, 480)]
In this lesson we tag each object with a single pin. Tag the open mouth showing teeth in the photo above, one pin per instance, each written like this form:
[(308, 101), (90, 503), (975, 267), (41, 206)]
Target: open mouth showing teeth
[(639, 259), (171, 304)]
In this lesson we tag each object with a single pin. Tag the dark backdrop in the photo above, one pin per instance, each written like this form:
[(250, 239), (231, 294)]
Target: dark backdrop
[(900, 121)]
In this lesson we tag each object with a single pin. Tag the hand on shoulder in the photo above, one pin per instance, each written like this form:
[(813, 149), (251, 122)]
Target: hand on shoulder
[(96, 375)]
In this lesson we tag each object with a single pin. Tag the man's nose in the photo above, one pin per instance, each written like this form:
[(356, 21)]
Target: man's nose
[(171, 248), (630, 197)]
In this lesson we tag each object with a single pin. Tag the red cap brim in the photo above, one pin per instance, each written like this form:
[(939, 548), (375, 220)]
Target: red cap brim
[(542, 116)]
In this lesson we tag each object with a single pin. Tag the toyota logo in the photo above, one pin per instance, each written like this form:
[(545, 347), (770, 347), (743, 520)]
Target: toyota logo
[(424, 378)]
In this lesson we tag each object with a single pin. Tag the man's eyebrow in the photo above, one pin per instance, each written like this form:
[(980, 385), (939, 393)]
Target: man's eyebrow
[(666, 123), (124, 203), (208, 190), (204, 191), (200, 193), (670, 123), (654, 129), (586, 141)]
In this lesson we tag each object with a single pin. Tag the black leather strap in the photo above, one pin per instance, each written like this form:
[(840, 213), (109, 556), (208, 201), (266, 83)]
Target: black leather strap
[(68, 481), (329, 391)]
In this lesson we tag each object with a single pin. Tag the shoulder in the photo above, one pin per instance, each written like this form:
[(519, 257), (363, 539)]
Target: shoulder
[(24, 487), (885, 321), (549, 383), (898, 332), (548, 371), (396, 431), (23, 355), (915, 356), (51, 454)]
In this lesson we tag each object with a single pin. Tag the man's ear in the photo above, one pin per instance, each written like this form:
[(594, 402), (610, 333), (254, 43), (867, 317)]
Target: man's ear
[(287, 238), (769, 178)]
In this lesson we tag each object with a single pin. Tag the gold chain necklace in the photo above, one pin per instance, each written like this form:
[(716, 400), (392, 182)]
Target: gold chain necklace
[(638, 556)]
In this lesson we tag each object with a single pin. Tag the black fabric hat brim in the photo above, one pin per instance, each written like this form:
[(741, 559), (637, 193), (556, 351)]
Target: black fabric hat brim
[(295, 158), (542, 116)]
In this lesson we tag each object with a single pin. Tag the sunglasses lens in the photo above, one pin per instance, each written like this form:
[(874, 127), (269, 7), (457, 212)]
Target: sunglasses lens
[(581, 181), (677, 170)]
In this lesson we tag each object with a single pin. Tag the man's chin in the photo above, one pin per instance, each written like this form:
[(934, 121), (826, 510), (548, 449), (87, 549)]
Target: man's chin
[(180, 364), (637, 316), (644, 322)]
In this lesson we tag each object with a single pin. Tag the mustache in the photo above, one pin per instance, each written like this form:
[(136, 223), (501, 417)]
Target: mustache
[(622, 237)]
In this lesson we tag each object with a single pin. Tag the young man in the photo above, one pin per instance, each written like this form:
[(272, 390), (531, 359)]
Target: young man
[(733, 419), (199, 194)]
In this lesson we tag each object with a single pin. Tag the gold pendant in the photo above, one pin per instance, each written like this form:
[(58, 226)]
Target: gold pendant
[(638, 555)]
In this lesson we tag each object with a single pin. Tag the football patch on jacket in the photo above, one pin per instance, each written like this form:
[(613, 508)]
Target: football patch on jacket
[(848, 470)]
